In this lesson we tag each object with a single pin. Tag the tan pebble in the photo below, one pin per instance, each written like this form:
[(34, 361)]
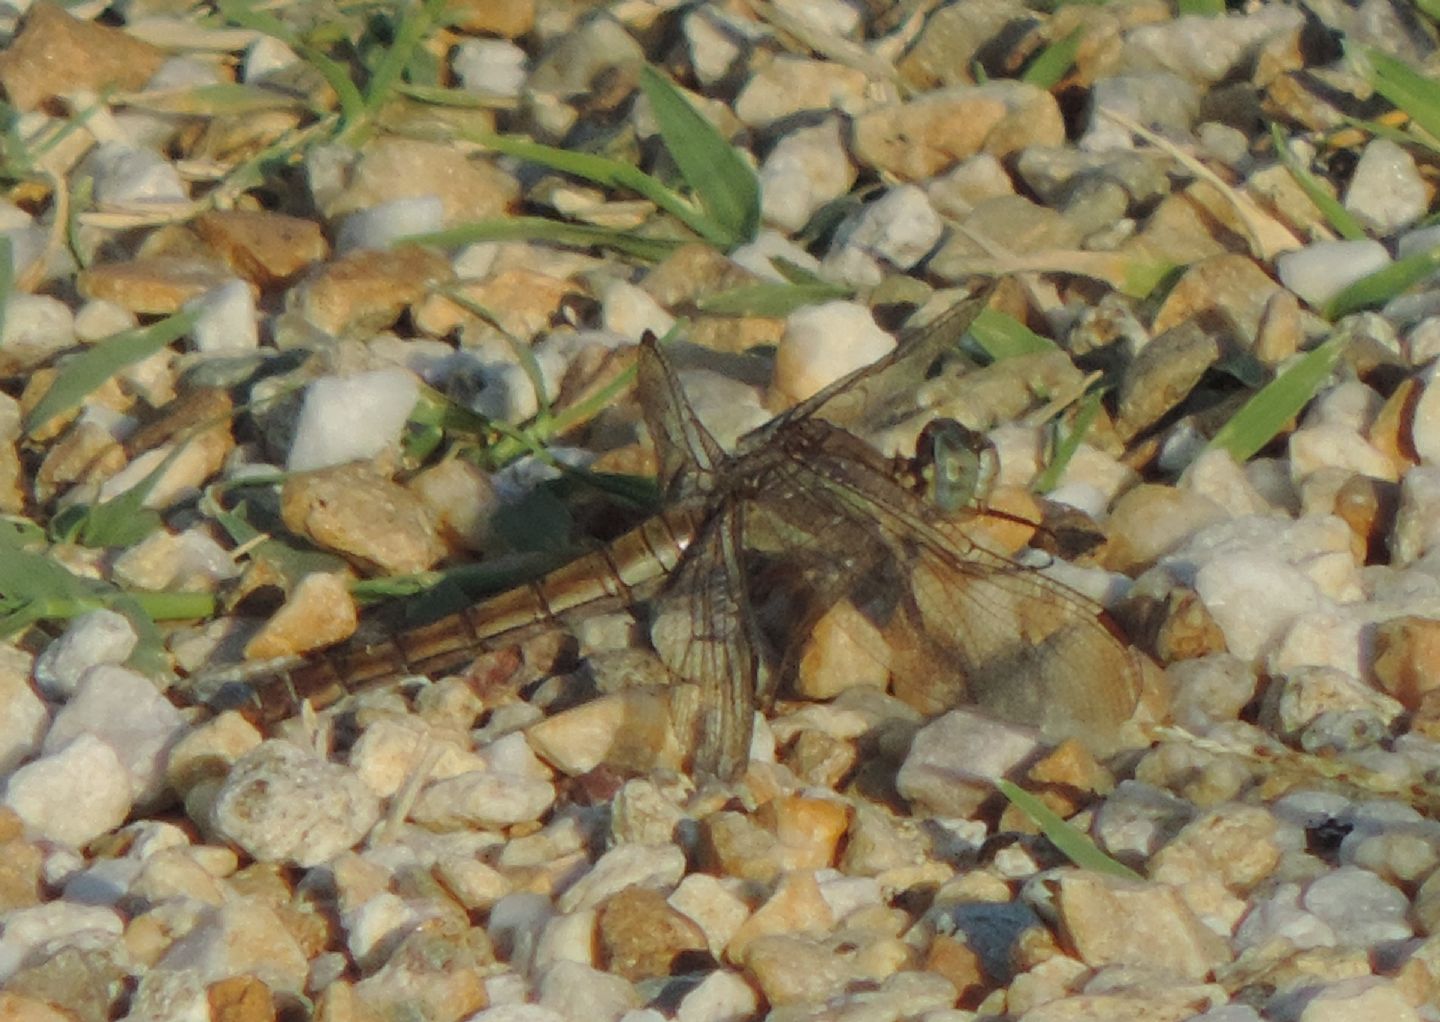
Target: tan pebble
[(960, 964), (1391, 432), (268, 249), (925, 136), (642, 937), (628, 730), (1230, 289), (1280, 331), (320, 612), (358, 511), (240, 999), (524, 302), (808, 829), (842, 650), (713, 905), (157, 286), (1111, 921), (19, 1008), (792, 969), (367, 290), (796, 906), (56, 54), (394, 167), (508, 19), (207, 751), (21, 877), (733, 844), (820, 759), (1407, 658), (1368, 506)]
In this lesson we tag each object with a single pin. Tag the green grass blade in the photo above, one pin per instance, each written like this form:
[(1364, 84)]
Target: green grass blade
[(1069, 443), (609, 174), (1003, 336), (82, 374), (770, 298), (1384, 284), (1407, 89), (1073, 844), (1339, 218), (417, 21), (723, 182), (1429, 8), (1204, 8), (1262, 418), (7, 277), (530, 228), (1055, 61)]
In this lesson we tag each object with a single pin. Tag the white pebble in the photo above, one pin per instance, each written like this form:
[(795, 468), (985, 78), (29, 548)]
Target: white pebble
[(42, 929), (482, 799), (74, 795), (280, 803), (656, 866), (822, 343), (955, 760), (125, 175), (759, 256), (901, 227), (24, 716), (351, 418), (99, 637), (492, 67), (36, 327), (807, 168), (125, 710), (382, 225), (227, 322), (1386, 190), (1321, 270), (98, 319), (1360, 908), (266, 55), (629, 311)]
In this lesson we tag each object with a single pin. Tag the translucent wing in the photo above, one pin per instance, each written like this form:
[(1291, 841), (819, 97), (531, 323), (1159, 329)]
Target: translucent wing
[(704, 632), (964, 622)]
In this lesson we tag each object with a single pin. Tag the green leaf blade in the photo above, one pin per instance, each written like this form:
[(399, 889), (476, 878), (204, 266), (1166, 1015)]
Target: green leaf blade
[(1262, 418), (724, 183), (80, 376)]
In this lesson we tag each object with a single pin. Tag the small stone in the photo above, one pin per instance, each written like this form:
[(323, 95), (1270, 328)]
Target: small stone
[(490, 67), (842, 649), (319, 612), (1359, 907), (955, 761), (807, 168), (430, 976), (156, 286), (190, 561), (36, 328), (654, 866), (1138, 819), (1150, 521), (1231, 287), (1320, 270), (125, 710), (508, 19), (722, 996), (391, 168), (124, 175), (24, 717), (240, 999), (279, 803), (629, 730), (1361, 999), (790, 85), (578, 991), (351, 418), (930, 134), (227, 320), (268, 249), (641, 936), (354, 509), (897, 230), (382, 225), (796, 907), (482, 799), (1112, 921), (56, 54), (1237, 845), (97, 637), (1386, 190), (367, 291), (74, 795), (714, 906)]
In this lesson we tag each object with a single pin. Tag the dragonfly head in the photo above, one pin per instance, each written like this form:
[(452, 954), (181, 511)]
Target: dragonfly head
[(957, 465)]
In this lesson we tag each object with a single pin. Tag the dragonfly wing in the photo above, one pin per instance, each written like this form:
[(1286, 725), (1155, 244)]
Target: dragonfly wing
[(689, 456), (704, 631), (964, 622), (856, 397)]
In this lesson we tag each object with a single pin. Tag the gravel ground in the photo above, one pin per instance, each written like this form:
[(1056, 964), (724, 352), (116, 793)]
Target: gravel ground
[(300, 315)]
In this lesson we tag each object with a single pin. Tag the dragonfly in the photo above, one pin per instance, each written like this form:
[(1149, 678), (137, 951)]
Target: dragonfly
[(804, 507)]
